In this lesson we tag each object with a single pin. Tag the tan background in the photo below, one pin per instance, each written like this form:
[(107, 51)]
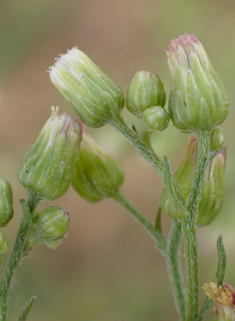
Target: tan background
[(107, 268)]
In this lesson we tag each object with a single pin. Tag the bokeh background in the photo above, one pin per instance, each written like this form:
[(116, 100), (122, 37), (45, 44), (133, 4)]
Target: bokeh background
[(107, 268)]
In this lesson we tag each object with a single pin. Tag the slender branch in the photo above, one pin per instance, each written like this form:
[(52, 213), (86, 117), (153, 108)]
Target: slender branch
[(157, 237), (17, 252), (26, 309), (175, 269), (144, 150)]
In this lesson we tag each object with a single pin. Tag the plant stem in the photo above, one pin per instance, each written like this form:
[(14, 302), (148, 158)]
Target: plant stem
[(17, 252), (157, 237), (144, 150), (175, 269), (189, 224)]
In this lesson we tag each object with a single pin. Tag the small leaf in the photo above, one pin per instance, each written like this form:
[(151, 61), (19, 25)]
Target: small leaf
[(158, 223), (222, 260), (26, 309)]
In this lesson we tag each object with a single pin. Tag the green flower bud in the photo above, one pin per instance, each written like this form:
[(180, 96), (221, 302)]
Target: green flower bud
[(197, 99), (218, 139), (6, 202), (3, 244), (145, 90), (94, 96), (155, 119), (96, 175), (51, 225), (212, 190), (47, 167)]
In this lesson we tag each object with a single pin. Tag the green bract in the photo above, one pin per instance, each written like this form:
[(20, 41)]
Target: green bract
[(197, 98), (218, 139), (6, 202), (212, 190), (3, 244), (96, 175), (145, 90), (47, 167), (155, 119), (94, 96)]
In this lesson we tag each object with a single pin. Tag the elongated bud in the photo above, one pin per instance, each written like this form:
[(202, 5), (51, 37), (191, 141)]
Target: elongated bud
[(6, 202), (155, 119), (197, 99), (223, 297), (218, 139), (96, 175), (47, 167), (145, 90), (51, 225), (212, 190), (94, 96), (3, 244)]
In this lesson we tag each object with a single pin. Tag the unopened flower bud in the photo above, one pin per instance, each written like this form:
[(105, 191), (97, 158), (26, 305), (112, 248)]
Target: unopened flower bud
[(145, 90), (6, 202), (94, 96), (197, 99), (3, 244), (96, 175), (223, 297), (217, 139), (212, 189), (51, 225), (155, 119), (47, 167)]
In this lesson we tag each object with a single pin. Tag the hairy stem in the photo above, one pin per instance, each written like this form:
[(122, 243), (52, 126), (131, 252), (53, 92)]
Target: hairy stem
[(175, 269), (17, 252), (157, 237)]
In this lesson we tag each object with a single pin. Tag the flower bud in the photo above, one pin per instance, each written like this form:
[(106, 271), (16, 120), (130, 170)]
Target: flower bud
[(47, 167), (212, 189), (145, 90), (217, 139), (96, 175), (223, 297), (94, 96), (51, 225), (197, 99), (3, 244), (6, 202), (155, 119)]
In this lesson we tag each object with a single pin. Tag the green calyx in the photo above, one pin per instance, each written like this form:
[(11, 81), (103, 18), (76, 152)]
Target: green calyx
[(155, 119), (212, 190), (197, 99), (47, 167), (144, 91), (94, 96), (6, 202), (96, 175)]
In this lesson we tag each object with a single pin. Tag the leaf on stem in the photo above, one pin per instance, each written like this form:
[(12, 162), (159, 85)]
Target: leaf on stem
[(176, 195), (158, 222), (26, 309)]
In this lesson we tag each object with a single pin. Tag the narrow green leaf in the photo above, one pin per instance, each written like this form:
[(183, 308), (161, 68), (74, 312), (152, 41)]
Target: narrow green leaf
[(26, 309), (171, 186), (158, 222), (222, 260)]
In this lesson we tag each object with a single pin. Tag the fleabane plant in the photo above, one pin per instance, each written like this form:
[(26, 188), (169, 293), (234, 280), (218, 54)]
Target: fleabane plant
[(192, 196)]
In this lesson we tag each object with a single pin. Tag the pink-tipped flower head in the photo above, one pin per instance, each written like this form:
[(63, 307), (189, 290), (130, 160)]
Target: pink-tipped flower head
[(197, 99)]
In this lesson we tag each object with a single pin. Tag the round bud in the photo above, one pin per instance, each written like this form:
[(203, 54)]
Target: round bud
[(218, 139), (155, 119), (51, 225), (145, 90), (6, 202)]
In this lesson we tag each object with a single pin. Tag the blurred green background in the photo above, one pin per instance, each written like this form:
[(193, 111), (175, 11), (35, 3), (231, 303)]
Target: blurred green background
[(107, 268)]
